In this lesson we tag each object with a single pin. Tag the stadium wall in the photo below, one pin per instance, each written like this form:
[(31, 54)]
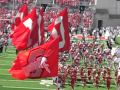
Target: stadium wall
[(109, 12)]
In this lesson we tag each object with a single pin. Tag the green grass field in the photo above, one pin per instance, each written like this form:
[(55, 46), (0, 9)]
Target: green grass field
[(8, 83)]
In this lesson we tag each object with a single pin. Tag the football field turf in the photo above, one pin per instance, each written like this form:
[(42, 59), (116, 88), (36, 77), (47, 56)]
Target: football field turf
[(9, 83)]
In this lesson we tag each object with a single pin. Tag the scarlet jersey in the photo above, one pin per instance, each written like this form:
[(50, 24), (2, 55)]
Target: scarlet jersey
[(69, 70), (99, 72), (82, 72), (86, 54), (91, 57), (108, 81), (65, 76), (96, 80), (80, 45), (73, 77), (76, 61), (104, 74), (89, 73), (72, 50), (95, 53), (100, 57), (108, 71), (84, 79)]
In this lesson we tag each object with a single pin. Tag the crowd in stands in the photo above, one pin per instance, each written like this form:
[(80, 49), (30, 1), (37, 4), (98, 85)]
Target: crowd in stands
[(86, 62)]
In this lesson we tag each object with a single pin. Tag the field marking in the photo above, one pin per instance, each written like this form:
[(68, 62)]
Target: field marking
[(28, 88), (6, 57), (3, 69), (3, 64), (5, 74), (6, 61), (18, 80), (41, 82), (46, 82)]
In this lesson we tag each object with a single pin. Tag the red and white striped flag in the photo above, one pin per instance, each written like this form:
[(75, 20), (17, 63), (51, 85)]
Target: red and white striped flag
[(59, 28), (22, 12), (41, 28), (26, 34)]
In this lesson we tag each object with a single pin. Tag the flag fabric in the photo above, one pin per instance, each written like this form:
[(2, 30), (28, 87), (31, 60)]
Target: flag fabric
[(41, 28), (39, 62), (59, 27), (26, 34), (22, 12)]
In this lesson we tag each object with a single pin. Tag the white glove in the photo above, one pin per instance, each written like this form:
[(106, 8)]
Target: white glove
[(44, 65)]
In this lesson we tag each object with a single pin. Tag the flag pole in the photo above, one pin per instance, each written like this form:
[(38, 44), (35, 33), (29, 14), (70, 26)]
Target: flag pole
[(53, 2), (13, 4), (36, 2), (13, 11)]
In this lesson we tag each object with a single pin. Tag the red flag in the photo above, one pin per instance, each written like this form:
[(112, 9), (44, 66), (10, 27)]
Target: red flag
[(39, 62), (41, 28), (26, 34), (23, 11), (59, 27)]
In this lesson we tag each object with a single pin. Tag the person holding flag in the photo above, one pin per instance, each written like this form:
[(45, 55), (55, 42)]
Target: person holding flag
[(39, 62)]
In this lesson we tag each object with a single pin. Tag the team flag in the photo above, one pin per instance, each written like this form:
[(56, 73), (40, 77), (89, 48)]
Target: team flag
[(41, 28), (39, 62), (22, 12), (26, 34), (59, 27)]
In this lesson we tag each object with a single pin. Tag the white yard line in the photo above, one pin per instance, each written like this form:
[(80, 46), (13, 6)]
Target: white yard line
[(5, 64), (6, 69), (3, 69), (4, 61), (5, 74), (41, 82), (18, 80), (28, 88)]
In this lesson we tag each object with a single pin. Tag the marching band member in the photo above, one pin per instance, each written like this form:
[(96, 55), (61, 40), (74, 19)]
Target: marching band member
[(108, 81), (96, 79)]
